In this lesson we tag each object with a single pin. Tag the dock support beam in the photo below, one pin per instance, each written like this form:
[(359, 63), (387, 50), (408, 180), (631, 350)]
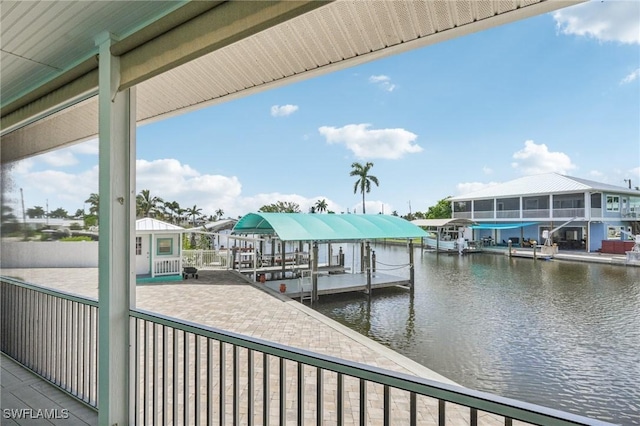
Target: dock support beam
[(314, 272), (367, 265), (412, 270)]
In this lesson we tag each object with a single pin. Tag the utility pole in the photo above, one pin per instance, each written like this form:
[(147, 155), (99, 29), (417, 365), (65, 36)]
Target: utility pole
[(629, 182), (24, 215)]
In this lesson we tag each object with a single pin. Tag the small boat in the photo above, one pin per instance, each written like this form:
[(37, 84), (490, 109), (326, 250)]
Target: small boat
[(447, 235)]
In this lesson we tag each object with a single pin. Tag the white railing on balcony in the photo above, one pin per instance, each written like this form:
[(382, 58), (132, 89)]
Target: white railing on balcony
[(568, 213), (596, 212), (483, 215), (205, 259), (507, 214), (462, 215), (187, 373), (52, 333), (190, 374), (535, 213), (167, 266)]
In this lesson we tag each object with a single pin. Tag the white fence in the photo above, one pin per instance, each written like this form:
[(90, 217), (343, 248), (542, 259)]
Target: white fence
[(166, 266), (205, 259), (49, 254)]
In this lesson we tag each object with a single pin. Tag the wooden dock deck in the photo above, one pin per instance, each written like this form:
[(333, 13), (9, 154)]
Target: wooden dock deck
[(336, 283)]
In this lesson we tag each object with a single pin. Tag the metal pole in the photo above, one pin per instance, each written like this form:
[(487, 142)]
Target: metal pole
[(368, 268), (314, 272), (412, 271)]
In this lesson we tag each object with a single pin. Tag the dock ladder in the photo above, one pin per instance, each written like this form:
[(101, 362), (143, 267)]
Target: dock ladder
[(304, 282)]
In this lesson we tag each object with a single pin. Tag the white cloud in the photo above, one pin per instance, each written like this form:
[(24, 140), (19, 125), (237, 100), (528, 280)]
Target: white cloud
[(60, 158), (368, 143), (70, 189), (595, 174), (487, 170), (537, 159), (382, 81), (631, 77), (283, 110), (602, 20), (174, 181), (68, 156)]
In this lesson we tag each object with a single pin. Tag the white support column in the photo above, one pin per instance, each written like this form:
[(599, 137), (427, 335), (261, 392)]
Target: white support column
[(116, 289)]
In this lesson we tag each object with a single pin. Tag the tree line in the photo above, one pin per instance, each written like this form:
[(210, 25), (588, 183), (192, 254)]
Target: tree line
[(148, 205)]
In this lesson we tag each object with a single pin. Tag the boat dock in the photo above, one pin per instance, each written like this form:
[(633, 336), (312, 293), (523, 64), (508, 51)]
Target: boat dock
[(336, 283)]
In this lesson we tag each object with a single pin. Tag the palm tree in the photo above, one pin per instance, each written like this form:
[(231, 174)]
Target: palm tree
[(219, 214), (94, 203), (364, 179), (174, 210), (146, 205), (321, 205), (193, 212)]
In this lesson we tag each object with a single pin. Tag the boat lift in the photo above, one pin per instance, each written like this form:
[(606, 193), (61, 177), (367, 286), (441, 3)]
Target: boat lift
[(548, 247)]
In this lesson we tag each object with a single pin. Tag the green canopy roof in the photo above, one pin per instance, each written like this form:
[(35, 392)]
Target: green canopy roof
[(327, 227)]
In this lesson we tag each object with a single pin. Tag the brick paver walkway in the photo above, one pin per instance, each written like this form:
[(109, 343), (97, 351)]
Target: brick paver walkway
[(224, 300)]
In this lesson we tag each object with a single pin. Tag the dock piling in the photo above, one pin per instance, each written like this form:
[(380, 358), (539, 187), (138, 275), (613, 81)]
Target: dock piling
[(367, 259), (412, 272)]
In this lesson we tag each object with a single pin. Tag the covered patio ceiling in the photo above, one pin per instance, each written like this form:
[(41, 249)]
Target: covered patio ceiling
[(185, 55)]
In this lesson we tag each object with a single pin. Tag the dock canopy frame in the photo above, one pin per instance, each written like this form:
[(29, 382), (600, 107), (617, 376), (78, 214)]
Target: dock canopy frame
[(503, 225), (327, 227)]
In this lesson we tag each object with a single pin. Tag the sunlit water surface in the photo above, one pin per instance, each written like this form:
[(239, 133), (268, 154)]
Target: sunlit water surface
[(560, 334)]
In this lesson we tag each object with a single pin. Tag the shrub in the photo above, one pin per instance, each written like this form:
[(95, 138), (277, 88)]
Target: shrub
[(76, 238)]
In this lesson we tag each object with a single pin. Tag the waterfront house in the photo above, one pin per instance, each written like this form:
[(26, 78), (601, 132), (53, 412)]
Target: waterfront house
[(576, 213)]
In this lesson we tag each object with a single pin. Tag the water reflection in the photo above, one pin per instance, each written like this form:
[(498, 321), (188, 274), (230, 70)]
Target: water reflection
[(559, 334)]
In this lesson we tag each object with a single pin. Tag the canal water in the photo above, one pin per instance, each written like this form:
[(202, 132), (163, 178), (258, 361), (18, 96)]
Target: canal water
[(564, 335)]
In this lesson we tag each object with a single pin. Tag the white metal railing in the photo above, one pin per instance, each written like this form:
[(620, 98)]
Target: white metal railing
[(205, 259), (535, 213), (187, 373), (52, 333), (166, 266), (508, 214), (568, 213), (483, 215), (462, 215)]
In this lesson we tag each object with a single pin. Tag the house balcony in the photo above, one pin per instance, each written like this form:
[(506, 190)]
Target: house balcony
[(187, 373), (539, 214)]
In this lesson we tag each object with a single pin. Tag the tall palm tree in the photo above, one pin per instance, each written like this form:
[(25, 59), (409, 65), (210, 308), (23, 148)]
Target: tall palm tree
[(219, 214), (193, 212), (321, 205), (146, 205), (364, 179)]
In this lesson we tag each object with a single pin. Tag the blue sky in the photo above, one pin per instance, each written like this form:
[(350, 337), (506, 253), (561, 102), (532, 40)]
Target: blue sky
[(559, 92)]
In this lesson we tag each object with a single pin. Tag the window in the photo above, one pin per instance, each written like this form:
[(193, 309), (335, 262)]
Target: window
[(138, 246), (165, 246), (613, 203), (613, 232)]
